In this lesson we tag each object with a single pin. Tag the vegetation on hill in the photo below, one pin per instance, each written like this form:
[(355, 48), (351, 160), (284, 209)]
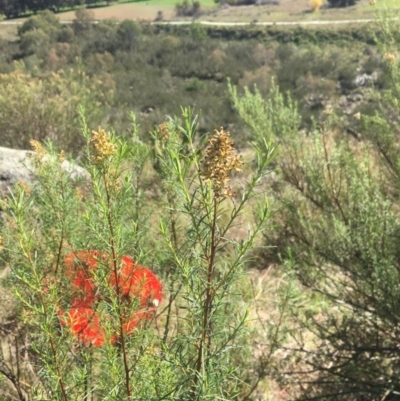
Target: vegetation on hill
[(152, 70), (15, 8)]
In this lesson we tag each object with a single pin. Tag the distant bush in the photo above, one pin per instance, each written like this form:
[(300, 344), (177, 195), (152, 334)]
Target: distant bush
[(186, 9), (194, 85), (159, 16)]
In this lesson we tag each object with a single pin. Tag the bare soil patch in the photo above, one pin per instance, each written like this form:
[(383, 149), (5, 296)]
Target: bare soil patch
[(135, 11)]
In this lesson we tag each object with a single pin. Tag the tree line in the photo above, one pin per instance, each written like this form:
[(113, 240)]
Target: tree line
[(15, 8)]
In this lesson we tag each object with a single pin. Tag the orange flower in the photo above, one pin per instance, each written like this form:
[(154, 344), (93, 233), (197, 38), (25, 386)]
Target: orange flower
[(79, 270), (84, 323), (136, 281)]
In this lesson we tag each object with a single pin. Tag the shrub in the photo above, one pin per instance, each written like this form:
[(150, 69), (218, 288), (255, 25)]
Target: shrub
[(45, 21), (46, 106), (185, 9), (339, 242), (194, 85), (88, 306), (159, 16)]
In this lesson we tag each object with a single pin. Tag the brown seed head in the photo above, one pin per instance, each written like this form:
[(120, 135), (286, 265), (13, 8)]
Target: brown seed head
[(102, 147), (163, 133), (219, 162), (24, 186)]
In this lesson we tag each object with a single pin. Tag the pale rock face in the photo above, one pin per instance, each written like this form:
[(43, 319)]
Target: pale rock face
[(15, 166), (12, 169)]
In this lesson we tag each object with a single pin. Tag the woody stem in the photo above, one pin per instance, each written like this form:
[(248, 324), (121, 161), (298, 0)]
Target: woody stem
[(115, 270), (205, 332)]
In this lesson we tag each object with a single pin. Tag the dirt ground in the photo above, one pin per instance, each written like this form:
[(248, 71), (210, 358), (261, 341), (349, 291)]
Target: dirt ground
[(136, 11)]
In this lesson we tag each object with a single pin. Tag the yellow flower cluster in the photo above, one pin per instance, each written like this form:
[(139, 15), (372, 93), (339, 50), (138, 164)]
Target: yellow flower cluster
[(24, 186), (219, 162), (61, 156), (39, 150), (390, 57), (102, 147)]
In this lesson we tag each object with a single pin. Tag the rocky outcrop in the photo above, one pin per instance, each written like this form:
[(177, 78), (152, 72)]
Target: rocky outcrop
[(15, 166)]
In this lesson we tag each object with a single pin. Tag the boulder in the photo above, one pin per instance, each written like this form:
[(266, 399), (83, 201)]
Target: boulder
[(15, 166)]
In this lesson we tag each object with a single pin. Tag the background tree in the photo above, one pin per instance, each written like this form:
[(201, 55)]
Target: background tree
[(12, 8)]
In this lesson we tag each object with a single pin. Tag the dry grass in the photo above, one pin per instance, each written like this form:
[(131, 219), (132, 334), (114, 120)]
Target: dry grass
[(135, 11), (293, 10), (8, 32)]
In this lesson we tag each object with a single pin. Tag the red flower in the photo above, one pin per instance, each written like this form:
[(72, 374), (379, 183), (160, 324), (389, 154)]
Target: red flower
[(134, 281), (84, 323), (79, 270)]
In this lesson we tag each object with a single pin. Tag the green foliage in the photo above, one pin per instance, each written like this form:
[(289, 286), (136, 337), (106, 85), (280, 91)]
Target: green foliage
[(128, 34), (38, 33), (45, 21), (194, 85)]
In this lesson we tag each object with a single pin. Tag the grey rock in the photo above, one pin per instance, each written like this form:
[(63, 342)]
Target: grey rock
[(364, 80), (16, 166), (13, 169)]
